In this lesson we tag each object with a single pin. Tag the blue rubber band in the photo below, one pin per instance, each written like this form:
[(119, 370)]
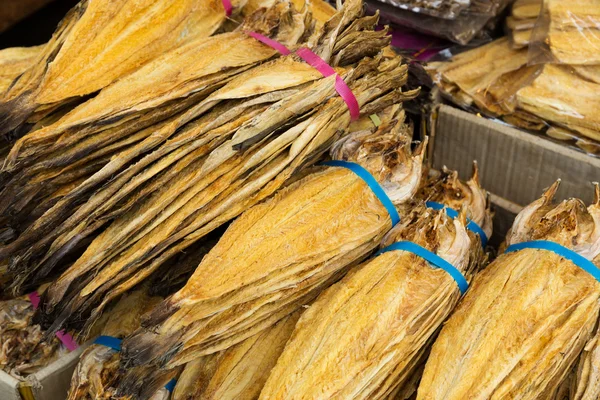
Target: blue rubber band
[(373, 184), (109, 341), (432, 258), (562, 251), (171, 385), (452, 213)]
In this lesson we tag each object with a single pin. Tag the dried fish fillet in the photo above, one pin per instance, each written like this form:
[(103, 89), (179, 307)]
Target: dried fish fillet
[(242, 370), (558, 95), (376, 324), (526, 9), (587, 378), (273, 271), (527, 316), (101, 41), (14, 61)]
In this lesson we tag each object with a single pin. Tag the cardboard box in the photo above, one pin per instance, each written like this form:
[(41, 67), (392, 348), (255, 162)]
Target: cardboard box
[(49, 383), (514, 166)]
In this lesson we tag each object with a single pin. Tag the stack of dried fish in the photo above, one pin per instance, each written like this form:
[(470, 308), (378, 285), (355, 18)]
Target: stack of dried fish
[(282, 253), (97, 43), (97, 373), (24, 349), (522, 21), (239, 372), (497, 79), (376, 325), (202, 167), (525, 320), (586, 377)]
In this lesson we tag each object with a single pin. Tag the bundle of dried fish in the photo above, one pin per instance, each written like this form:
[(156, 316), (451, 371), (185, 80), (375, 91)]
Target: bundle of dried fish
[(24, 348), (116, 152), (285, 251), (210, 173), (586, 377), (239, 372), (377, 323), (100, 41), (97, 373), (527, 316)]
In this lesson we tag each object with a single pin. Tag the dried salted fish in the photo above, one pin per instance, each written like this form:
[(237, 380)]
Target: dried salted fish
[(561, 96), (249, 162), (586, 379), (527, 316), (101, 41), (96, 375), (239, 372), (14, 61), (376, 324), (45, 229), (574, 31), (220, 307), (526, 9)]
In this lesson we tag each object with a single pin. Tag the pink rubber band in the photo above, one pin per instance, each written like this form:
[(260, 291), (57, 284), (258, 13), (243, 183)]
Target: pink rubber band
[(34, 298), (340, 86), (67, 340), (228, 7), (270, 42)]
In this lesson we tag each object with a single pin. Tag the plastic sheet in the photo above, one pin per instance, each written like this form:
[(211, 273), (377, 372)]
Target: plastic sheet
[(460, 30), (567, 32)]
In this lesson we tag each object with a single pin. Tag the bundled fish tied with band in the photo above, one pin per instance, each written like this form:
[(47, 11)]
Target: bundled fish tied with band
[(280, 254), (366, 336), (526, 318)]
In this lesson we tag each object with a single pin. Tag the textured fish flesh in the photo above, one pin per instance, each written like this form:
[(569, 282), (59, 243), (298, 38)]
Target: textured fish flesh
[(560, 96), (526, 318), (376, 324), (294, 246)]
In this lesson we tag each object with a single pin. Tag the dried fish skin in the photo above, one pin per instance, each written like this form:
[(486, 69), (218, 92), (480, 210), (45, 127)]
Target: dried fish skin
[(374, 324), (14, 61), (528, 314), (586, 385), (240, 281), (195, 377), (243, 369)]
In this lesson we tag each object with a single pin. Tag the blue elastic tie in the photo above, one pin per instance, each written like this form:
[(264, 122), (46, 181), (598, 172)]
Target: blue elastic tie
[(171, 385), (373, 184), (109, 341), (562, 251), (432, 258), (452, 213)]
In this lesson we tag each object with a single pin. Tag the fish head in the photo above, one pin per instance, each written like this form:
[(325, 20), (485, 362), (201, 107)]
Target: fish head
[(436, 231), (386, 154), (446, 188)]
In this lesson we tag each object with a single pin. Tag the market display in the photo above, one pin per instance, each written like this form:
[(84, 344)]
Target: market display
[(249, 200), (528, 315)]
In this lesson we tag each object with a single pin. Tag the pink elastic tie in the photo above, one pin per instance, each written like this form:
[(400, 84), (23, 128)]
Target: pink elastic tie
[(340, 86), (228, 7), (67, 340), (270, 42), (34, 298)]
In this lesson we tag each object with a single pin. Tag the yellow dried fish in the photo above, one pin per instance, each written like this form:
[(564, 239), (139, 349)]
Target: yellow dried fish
[(375, 325), (242, 370), (527, 316), (561, 96), (293, 245), (586, 383), (14, 61)]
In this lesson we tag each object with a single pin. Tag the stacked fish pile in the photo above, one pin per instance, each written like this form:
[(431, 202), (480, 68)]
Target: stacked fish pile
[(559, 100), (520, 23)]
